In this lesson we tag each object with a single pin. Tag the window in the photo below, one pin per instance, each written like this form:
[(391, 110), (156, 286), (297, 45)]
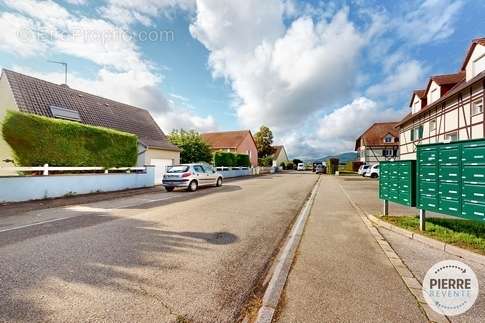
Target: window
[(388, 139), (388, 153), (417, 133), (198, 169), (452, 136), (432, 125), (478, 65), (477, 107), (63, 113), (434, 95), (416, 106)]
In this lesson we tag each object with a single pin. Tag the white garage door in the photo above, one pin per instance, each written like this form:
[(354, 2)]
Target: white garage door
[(160, 168)]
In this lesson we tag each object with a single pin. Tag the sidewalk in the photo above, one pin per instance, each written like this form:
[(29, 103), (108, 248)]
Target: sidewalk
[(417, 256), (340, 272)]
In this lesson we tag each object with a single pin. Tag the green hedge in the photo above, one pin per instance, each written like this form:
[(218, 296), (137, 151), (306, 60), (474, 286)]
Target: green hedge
[(228, 159), (37, 140)]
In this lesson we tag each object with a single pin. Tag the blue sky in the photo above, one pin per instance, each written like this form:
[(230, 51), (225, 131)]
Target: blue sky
[(317, 72)]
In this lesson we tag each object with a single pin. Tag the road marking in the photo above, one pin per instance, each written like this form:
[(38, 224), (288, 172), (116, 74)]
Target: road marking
[(85, 208), (37, 223)]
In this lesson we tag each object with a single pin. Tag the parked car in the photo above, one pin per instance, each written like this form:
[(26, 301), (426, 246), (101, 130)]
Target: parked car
[(301, 166), (319, 169), (372, 171), (191, 177), (363, 169)]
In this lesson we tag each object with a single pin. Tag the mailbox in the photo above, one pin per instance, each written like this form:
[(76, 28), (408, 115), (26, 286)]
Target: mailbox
[(397, 181), (451, 178)]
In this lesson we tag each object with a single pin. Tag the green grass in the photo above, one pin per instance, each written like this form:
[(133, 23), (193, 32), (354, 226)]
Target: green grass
[(461, 233)]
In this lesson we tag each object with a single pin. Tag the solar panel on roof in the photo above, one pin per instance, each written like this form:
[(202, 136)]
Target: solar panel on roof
[(63, 113)]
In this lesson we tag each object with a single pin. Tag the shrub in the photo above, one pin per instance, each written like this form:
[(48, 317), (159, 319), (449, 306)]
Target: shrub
[(243, 160), (194, 148), (332, 166), (228, 159), (265, 161), (290, 165), (37, 140)]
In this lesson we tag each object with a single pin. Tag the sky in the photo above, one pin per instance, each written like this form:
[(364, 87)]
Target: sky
[(318, 73)]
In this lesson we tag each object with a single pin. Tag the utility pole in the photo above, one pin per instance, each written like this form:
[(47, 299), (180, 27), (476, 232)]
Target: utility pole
[(65, 69)]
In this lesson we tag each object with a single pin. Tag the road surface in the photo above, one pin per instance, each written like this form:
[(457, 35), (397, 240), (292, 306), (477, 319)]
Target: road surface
[(158, 257)]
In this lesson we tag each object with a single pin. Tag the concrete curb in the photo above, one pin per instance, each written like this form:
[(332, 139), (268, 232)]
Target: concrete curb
[(275, 287), (413, 285), (445, 247)]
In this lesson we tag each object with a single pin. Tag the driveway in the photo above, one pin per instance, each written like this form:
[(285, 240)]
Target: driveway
[(154, 257)]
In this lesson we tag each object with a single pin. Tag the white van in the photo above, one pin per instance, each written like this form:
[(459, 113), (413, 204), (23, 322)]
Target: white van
[(301, 166)]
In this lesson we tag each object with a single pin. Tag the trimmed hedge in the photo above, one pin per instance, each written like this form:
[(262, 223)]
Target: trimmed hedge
[(228, 159), (37, 140)]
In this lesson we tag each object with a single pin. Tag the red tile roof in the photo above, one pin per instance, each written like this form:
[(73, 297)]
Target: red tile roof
[(419, 93), (35, 96), (447, 79), (374, 135), (226, 139), (479, 41), (454, 90)]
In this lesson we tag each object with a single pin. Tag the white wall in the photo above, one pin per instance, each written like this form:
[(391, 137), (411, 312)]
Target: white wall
[(434, 92), (26, 188), (476, 63), (7, 102)]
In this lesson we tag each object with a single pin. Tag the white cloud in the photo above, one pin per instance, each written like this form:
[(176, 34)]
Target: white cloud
[(16, 35), (403, 78), (281, 76), (123, 75), (126, 12), (432, 20), (336, 132)]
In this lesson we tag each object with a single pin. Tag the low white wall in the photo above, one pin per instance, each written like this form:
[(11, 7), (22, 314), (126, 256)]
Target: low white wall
[(236, 172), (26, 188)]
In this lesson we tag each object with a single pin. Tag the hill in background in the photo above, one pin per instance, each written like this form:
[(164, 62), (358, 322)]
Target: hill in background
[(343, 157)]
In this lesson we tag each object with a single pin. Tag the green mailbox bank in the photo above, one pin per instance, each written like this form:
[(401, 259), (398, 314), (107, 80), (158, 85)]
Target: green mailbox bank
[(397, 181), (451, 178)]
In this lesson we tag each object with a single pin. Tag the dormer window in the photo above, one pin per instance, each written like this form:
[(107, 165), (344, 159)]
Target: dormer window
[(478, 65), (388, 139), (434, 95)]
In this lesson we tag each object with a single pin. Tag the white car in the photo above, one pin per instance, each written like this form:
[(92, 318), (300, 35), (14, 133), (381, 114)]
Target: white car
[(363, 169), (191, 176), (301, 166), (373, 171)]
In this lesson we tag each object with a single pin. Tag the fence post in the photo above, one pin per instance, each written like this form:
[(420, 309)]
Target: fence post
[(422, 220), (386, 207), (46, 170)]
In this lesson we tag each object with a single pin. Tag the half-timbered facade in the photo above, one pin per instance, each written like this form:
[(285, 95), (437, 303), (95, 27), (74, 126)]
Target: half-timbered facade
[(450, 108)]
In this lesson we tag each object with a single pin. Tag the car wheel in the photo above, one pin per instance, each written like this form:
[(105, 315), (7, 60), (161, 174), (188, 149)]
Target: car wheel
[(169, 189), (219, 182), (192, 186), (373, 175)]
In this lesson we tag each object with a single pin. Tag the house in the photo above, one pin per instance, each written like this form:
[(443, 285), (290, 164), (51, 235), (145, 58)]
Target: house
[(279, 155), (450, 108), (241, 142), (19, 92), (379, 142)]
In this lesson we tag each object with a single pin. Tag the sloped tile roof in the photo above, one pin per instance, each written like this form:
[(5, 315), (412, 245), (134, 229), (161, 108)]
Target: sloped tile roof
[(475, 42), (374, 135), (35, 96), (226, 139), (447, 79)]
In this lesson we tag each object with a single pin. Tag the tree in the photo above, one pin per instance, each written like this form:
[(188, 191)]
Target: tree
[(194, 148), (296, 161), (264, 140)]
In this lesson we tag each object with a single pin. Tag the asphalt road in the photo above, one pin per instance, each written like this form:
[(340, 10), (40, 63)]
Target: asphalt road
[(158, 257)]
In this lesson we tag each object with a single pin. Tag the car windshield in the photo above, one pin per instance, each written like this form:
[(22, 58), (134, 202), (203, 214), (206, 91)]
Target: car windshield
[(178, 169)]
